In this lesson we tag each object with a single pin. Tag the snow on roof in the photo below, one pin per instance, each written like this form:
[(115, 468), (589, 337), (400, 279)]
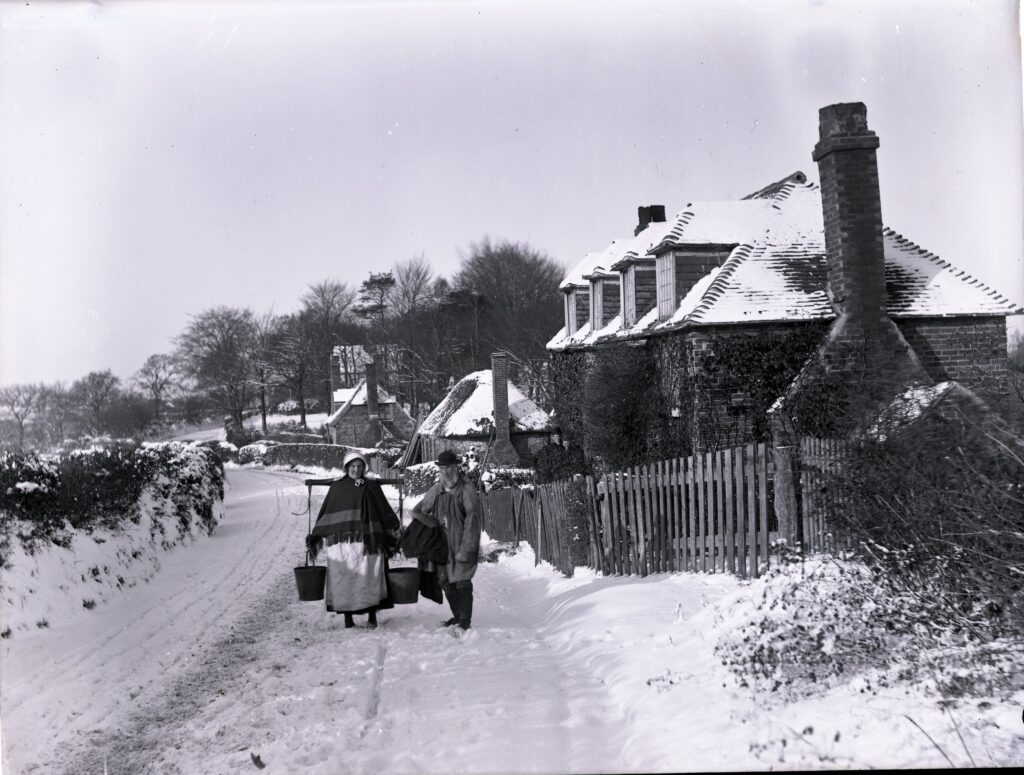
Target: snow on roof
[(468, 410), (358, 398), (590, 262), (778, 269), (640, 246), (341, 395), (911, 404), (920, 283)]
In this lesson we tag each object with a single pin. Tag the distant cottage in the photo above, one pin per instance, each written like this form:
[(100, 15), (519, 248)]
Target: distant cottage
[(364, 415), (747, 307), (486, 410)]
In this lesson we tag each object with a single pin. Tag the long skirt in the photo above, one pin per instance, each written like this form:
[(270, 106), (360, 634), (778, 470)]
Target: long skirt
[(356, 581)]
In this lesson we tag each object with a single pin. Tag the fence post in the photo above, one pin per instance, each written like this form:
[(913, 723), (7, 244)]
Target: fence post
[(786, 458)]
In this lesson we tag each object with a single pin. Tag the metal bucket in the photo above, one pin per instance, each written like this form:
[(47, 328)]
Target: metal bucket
[(405, 584), (310, 581)]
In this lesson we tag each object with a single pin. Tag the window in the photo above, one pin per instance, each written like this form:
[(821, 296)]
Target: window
[(570, 313), (666, 271), (596, 304)]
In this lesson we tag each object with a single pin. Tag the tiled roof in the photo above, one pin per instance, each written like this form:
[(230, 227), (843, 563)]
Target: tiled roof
[(777, 270)]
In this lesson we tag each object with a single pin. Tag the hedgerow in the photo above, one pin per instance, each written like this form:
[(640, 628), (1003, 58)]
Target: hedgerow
[(102, 487)]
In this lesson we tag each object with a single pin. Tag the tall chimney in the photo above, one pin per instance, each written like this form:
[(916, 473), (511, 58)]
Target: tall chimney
[(502, 453), (334, 369), (852, 210), (372, 404)]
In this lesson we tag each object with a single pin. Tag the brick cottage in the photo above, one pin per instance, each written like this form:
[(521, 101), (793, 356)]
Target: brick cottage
[(741, 306)]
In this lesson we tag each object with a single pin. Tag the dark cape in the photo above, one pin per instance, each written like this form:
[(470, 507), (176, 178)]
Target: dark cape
[(354, 512), (357, 512)]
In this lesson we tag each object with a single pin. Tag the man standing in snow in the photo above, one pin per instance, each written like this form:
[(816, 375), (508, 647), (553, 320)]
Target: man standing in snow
[(454, 503)]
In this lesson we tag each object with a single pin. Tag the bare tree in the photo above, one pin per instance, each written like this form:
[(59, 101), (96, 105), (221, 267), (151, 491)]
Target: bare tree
[(23, 402), (291, 355), (93, 395), (262, 360), (326, 305), (59, 411), (510, 293), (214, 350), (157, 378)]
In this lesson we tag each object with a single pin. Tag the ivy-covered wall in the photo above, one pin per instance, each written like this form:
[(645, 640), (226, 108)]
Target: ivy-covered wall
[(678, 393)]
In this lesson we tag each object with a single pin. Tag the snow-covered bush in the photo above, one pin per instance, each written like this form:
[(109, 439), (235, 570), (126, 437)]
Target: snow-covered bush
[(42, 496), (225, 451), (939, 508), (253, 453), (503, 477), (318, 455), (813, 625), (420, 478)]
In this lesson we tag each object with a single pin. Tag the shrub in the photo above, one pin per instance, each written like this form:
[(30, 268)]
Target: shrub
[(940, 507), (574, 524), (101, 487), (254, 453), (623, 407), (502, 478), (812, 626), (321, 455), (420, 478)]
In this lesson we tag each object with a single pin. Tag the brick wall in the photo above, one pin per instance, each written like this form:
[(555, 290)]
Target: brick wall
[(971, 351)]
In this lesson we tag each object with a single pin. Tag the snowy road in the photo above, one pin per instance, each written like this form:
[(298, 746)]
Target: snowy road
[(216, 660)]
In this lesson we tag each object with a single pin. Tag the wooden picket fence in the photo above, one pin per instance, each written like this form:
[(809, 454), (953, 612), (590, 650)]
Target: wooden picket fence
[(709, 512), (519, 515), (377, 466), (818, 459)]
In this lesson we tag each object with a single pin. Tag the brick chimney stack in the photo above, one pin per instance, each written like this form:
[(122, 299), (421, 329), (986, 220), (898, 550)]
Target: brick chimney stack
[(852, 210), (648, 214), (372, 402), (334, 369), (502, 453)]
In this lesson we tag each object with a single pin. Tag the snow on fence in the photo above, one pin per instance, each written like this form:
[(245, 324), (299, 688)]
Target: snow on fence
[(708, 512)]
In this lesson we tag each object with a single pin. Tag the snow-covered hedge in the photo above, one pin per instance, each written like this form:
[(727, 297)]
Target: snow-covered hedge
[(420, 478), (810, 626), (320, 456), (76, 529), (101, 487)]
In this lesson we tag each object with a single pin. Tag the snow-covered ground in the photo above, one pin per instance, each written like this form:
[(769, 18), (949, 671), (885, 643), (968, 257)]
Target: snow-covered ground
[(215, 662)]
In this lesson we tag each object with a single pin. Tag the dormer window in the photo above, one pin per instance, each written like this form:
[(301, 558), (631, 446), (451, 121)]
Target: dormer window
[(604, 301), (577, 309), (679, 270)]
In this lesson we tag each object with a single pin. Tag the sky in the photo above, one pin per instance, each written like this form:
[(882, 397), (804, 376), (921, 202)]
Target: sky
[(159, 159)]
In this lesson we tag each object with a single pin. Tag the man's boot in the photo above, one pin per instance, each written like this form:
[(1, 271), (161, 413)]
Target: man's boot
[(451, 591), (465, 599)]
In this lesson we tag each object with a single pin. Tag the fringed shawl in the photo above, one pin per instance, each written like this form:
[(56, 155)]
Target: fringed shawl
[(357, 512)]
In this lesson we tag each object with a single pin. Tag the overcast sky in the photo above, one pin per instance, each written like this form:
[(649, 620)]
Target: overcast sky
[(157, 159)]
